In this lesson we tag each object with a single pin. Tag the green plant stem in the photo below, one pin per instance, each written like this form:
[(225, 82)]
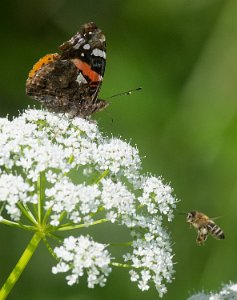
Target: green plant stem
[(105, 173), (27, 213), (17, 225), (20, 266), (41, 190), (71, 227), (121, 265), (121, 244), (50, 249)]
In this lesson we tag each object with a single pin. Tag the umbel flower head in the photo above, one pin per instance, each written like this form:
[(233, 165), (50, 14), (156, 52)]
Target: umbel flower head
[(228, 292), (59, 174)]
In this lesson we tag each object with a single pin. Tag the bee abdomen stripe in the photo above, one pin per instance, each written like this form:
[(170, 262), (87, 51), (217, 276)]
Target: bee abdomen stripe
[(216, 231), (219, 233)]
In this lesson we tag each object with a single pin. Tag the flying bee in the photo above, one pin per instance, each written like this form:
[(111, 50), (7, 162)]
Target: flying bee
[(204, 226)]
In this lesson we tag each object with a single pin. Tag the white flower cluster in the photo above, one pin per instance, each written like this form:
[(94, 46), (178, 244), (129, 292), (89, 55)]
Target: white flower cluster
[(14, 189), (86, 177), (77, 200), (228, 292), (154, 262), (84, 255)]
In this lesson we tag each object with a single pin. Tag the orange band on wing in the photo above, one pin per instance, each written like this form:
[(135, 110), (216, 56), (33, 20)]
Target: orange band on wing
[(86, 70), (49, 58)]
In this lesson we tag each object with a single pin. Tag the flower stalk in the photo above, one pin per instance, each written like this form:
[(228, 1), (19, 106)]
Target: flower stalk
[(20, 266)]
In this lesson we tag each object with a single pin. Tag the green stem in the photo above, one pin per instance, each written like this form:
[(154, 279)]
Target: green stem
[(121, 265), (41, 190), (47, 215), (17, 225), (20, 266), (105, 173), (121, 244), (27, 213), (64, 228), (50, 249)]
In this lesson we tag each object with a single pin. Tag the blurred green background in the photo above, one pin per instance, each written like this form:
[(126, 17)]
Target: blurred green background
[(184, 122)]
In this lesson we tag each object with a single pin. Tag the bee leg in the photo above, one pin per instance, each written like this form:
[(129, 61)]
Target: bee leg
[(199, 241), (202, 236)]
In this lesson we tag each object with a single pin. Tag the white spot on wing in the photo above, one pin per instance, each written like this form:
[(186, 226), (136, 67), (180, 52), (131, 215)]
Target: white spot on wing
[(81, 78), (86, 47), (78, 44), (98, 52)]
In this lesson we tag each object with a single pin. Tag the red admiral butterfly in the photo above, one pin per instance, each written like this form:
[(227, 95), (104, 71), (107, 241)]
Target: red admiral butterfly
[(69, 82)]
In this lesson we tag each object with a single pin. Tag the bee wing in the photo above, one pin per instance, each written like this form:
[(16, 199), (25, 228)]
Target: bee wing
[(215, 218)]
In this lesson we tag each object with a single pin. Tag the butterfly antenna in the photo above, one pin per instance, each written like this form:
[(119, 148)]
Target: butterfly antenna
[(125, 93)]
